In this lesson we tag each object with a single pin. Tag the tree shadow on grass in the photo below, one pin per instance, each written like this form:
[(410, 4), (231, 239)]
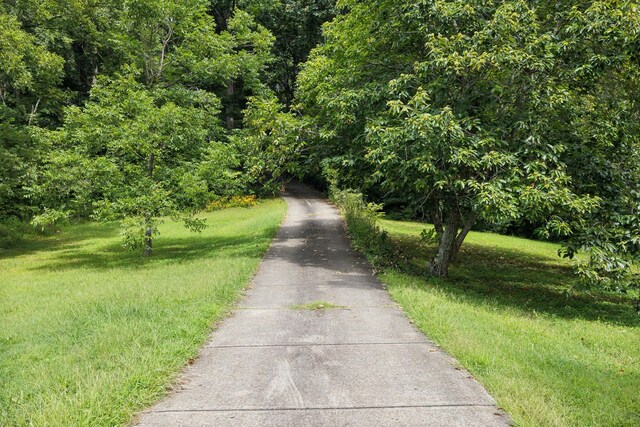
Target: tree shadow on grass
[(61, 241), (167, 250), (518, 280)]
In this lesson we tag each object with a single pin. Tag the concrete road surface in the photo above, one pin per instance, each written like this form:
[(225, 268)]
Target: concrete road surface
[(362, 364)]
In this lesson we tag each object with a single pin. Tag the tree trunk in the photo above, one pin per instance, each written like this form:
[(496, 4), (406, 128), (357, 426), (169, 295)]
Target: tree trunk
[(230, 92), (471, 219), (436, 215), (440, 263), (222, 11)]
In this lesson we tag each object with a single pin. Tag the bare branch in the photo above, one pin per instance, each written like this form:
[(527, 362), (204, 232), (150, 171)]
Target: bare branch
[(34, 109)]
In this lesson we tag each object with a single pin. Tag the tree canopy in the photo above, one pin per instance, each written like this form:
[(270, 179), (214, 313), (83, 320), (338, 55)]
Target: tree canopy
[(124, 110), (481, 111)]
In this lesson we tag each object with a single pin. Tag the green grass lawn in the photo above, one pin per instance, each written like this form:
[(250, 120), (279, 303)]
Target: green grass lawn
[(91, 333), (551, 357)]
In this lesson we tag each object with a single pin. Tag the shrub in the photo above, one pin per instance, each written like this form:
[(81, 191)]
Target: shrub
[(231, 202), (361, 218)]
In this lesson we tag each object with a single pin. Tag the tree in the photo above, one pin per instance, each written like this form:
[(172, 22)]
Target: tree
[(230, 19), (137, 155), (29, 75), (149, 141), (82, 32), (345, 80), (270, 145), (601, 124), (465, 169), (297, 27), (458, 106)]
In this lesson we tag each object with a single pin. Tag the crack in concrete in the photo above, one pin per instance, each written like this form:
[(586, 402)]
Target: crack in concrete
[(322, 344), (327, 408)]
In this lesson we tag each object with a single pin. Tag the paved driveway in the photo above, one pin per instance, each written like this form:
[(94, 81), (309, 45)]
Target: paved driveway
[(362, 364)]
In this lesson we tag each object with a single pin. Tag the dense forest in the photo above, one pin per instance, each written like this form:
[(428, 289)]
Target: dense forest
[(516, 116)]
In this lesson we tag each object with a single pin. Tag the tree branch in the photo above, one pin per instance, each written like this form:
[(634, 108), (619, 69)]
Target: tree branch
[(34, 109)]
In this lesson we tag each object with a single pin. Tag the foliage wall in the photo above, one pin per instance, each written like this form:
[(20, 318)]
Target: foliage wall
[(129, 109)]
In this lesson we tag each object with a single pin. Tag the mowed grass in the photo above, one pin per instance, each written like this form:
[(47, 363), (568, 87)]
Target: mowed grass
[(92, 333), (549, 355)]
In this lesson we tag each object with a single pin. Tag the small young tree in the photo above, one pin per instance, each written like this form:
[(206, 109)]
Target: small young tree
[(150, 142), (137, 155)]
